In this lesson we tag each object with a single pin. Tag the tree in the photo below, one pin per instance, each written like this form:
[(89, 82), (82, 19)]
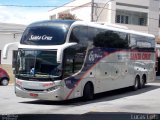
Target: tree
[(67, 16)]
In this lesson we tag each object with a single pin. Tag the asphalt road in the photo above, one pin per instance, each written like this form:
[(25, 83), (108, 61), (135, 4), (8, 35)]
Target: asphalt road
[(146, 100)]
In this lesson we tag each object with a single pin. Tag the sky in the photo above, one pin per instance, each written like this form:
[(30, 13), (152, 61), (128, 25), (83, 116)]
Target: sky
[(27, 15)]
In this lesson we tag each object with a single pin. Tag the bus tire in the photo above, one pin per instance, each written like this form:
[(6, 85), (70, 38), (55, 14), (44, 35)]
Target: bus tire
[(88, 92), (143, 82), (136, 83)]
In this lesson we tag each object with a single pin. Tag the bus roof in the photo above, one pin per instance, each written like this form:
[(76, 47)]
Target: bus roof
[(51, 23), (91, 24)]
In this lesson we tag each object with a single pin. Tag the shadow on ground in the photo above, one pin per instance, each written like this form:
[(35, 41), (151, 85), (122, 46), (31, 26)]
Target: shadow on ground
[(87, 116), (106, 96)]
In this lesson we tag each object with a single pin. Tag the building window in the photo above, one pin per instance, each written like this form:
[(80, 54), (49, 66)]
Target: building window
[(14, 57), (141, 21), (131, 17), (122, 19)]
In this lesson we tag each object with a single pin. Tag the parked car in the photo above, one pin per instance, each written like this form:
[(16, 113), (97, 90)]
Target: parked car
[(4, 77)]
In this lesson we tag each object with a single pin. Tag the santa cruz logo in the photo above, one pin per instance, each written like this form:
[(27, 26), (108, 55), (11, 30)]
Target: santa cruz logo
[(43, 37), (94, 56)]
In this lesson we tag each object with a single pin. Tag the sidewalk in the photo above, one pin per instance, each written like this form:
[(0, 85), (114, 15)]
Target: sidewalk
[(157, 80), (157, 77)]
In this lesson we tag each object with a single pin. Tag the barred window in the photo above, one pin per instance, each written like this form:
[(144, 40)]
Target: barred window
[(122, 19), (142, 21)]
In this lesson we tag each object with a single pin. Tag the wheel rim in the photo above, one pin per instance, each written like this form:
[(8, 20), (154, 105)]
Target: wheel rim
[(136, 83), (143, 82), (4, 82)]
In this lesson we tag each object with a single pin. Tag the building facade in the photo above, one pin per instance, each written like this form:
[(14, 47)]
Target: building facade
[(139, 15), (10, 33)]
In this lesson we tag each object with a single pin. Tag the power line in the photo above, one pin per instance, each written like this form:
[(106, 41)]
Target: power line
[(56, 6), (38, 6)]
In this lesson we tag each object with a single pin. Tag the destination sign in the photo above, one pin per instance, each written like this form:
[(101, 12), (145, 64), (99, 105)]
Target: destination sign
[(43, 37)]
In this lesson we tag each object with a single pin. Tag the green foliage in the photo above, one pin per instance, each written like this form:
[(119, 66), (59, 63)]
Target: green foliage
[(67, 16)]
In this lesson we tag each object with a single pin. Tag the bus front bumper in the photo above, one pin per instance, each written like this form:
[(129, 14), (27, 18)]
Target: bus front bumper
[(51, 95)]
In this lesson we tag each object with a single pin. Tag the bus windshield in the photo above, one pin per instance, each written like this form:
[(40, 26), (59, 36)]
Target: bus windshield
[(44, 35), (38, 64)]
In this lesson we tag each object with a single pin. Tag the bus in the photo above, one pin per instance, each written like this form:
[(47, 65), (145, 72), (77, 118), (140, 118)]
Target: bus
[(65, 59)]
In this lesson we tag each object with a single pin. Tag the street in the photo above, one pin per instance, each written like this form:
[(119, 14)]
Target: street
[(146, 100)]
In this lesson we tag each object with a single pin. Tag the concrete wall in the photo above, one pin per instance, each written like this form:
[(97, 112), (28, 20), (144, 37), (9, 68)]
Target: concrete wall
[(82, 13), (135, 2), (10, 33), (70, 7), (8, 38), (153, 17)]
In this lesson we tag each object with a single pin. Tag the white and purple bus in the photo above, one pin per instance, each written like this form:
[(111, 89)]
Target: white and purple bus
[(66, 59)]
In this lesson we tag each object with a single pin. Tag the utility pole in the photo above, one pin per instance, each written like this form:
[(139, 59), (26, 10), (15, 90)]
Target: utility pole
[(100, 10), (92, 10)]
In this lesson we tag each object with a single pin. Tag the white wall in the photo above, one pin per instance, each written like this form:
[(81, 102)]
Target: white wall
[(154, 17), (83, 13), (135, 2), (9, 33), (69, 7), (5, 39)]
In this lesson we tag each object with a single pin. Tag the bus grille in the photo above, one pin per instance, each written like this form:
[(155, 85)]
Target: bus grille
[(33, 89)]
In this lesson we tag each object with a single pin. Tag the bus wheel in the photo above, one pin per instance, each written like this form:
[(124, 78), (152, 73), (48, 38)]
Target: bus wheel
[(88, 92), (143, 82), (136, 83)]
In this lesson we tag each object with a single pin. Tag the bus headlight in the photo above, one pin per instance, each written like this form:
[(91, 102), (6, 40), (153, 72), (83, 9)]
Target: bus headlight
[(53, 88), (19, 86)]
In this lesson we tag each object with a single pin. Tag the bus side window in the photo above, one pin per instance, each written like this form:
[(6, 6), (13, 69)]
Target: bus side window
[(137, 41), (68, 66), (79, 35), (73, 60), (132, 42), (111, 39)]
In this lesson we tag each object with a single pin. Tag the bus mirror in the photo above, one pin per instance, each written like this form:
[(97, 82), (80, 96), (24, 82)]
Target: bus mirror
[(6, 48)]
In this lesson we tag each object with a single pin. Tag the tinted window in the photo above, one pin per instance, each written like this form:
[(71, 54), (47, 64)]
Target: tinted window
[(79, 34), (38, 64), (99, 37), (43, 35), (137, 41), (92, 32), (73, 60), (111, 39)]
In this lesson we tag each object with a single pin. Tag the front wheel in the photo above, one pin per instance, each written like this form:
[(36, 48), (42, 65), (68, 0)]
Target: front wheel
[(4, 82), (88, 92)]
